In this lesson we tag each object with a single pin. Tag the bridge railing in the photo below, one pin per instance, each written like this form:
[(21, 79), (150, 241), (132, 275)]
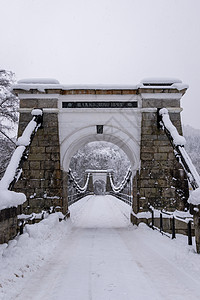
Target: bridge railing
[(178, 142), (171, 223), (75, 191), (122, 191)]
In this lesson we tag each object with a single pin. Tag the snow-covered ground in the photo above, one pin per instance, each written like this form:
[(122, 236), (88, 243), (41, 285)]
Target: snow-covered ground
[(97, 254)]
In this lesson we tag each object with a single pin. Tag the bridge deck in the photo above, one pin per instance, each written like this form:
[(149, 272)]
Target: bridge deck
[(105, 257)]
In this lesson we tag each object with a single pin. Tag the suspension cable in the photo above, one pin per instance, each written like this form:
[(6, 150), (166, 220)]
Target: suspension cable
[(119, 188), (77, 186), (178, 142)]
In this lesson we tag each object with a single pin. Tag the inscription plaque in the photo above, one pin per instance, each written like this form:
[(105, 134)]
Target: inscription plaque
[(116, 104)]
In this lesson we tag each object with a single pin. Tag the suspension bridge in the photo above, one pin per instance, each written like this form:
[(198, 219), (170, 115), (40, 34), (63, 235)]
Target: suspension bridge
[(143, 120)]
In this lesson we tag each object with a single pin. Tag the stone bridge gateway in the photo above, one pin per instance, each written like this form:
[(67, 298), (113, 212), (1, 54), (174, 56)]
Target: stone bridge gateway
[(125, 116), (57, 120)]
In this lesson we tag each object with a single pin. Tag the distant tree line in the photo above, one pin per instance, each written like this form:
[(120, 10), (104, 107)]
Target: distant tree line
[(100, 156)]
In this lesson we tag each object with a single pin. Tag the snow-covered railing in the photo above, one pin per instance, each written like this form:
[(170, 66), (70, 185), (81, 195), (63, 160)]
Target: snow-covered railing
[(37, 217), (13, 171), (119, 188), (76, 185), (169, 227), (119, 191), (76, 192), (178, 143)]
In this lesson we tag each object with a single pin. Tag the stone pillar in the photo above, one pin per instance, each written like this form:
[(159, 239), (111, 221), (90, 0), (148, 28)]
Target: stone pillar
[(158, 181), (90, 185), (42, 178), (135, 192), (9, 223), (196, 216), (65, 209), (108, 184)]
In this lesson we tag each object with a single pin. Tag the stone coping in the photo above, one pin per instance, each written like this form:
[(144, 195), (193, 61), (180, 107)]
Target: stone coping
[(30, 88)]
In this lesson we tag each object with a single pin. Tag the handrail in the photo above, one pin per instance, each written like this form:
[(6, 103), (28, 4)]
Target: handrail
[(178, 142)]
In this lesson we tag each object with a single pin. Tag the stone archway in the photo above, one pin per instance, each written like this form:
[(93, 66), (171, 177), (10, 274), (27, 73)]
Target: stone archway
[(125, 116), (84, 136)]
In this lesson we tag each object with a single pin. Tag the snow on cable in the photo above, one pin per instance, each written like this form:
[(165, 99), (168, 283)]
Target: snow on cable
[(13, 171), (177, 138), (178, 144), (119, 188), (78, 187), (25, 139)]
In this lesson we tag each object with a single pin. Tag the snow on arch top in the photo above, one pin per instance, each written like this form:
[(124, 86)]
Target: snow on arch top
[(38, 81), (157, 83), (160, 81)]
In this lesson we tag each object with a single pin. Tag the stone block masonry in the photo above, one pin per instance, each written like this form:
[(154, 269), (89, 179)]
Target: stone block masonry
[(8, 223), (159, 181), (42, 178)]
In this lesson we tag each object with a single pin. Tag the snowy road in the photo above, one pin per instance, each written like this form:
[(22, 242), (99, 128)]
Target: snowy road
[(104, 257)]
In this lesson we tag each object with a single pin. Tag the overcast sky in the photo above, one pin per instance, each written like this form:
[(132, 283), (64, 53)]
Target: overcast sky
[(105, 41)]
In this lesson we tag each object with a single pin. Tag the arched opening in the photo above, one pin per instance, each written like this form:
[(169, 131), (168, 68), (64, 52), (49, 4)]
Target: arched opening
[(116, 138), (99, 156), (99, 160)]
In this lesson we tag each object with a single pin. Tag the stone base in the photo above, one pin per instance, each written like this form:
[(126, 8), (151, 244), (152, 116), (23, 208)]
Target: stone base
[(8, 223)]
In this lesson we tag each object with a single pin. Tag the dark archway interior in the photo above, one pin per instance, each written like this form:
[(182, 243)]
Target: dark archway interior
[(99, 187)]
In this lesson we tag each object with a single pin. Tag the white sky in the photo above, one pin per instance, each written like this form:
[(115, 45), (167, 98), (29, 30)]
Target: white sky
[(104, 41)]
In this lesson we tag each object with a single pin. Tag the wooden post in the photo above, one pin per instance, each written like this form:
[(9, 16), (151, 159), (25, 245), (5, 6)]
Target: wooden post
[(173, 228), (189, 233), (197, 230), (21, 228), (161, 223), (152, 222)]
